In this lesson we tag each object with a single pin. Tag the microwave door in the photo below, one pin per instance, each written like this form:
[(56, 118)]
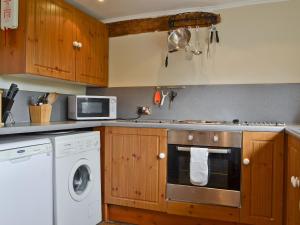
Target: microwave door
[(93, 108)]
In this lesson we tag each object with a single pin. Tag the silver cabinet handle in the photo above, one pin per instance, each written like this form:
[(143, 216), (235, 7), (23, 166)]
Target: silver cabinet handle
[(79, 45), (246, 161), (162, 155)]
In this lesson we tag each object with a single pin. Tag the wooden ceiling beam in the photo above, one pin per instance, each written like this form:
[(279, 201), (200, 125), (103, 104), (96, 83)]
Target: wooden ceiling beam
[(138, 26)]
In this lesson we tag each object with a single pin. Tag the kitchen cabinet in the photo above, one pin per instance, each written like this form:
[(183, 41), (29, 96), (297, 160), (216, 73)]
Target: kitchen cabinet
[(262, 178), (293, 181), (58, 41), (135, 167), (50, 36), (92, 57)]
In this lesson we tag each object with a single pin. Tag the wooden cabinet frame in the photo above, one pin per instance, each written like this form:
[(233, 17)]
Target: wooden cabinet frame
[(262, 179), (292, 202)]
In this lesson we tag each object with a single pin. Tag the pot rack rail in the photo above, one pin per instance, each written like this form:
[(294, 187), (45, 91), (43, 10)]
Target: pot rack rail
[(164, 23)]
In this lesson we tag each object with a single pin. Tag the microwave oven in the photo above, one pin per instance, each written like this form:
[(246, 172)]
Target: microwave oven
[(82, 107)]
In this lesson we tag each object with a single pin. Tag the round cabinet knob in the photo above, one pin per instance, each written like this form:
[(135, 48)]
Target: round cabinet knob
[(216, 138), (190, 137), (75, 44), (79, 45), (246, 162), (295, 181), (162, 155)]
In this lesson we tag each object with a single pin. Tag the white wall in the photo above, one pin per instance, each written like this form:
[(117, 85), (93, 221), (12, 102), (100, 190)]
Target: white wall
[(39, 84), (259, 44)]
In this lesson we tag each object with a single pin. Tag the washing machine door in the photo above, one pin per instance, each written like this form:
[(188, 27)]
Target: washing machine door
[(80, 180)]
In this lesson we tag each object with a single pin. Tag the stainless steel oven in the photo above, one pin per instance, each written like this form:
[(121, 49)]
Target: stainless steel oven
[(224, 167)]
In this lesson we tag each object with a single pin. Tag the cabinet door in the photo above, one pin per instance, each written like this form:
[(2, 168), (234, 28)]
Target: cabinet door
[(50, 39), (135, 176), (293, 194), (92, 56), (262, 178)]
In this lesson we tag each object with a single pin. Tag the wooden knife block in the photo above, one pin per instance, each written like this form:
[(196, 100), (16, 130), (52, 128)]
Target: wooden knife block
[(40, 114)]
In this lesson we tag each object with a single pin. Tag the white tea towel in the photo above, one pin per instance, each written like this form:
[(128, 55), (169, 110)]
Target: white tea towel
[(199, 166)]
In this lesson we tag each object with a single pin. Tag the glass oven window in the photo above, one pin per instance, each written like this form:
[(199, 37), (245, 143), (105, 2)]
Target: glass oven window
[(93, 107), (223, 169)]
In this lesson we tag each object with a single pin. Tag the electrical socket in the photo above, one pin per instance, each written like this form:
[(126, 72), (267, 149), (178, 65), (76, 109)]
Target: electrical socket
[(143, 110)]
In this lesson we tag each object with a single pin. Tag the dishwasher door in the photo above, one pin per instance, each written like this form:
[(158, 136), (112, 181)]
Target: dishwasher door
[(26, 186)]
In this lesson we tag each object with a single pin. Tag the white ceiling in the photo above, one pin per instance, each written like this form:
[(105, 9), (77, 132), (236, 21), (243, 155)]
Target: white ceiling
[(118, 10)]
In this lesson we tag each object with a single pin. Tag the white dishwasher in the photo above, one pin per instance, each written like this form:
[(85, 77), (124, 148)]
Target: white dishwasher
[(26, 182)]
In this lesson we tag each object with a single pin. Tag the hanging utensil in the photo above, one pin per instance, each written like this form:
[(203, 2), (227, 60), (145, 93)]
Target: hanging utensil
[(172, 96), (179, 39), (157, 97), (171, 49), (208, 45), (214, 34), (193, 49), (188, 52), (164, 95)]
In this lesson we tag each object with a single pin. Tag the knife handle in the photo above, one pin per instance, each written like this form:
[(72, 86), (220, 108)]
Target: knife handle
[(217, 36)]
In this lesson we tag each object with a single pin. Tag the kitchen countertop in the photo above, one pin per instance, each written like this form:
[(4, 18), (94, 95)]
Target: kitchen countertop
[(293, 130), (20, 128)]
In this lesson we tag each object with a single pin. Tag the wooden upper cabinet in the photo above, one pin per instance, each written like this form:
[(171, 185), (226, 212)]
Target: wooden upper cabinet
[(293, 192), (262, 178), (51, 32), (43, 44), (135, 176), (92, 57)]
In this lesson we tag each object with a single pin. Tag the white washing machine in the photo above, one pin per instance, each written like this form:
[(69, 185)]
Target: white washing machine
[(77, 188)]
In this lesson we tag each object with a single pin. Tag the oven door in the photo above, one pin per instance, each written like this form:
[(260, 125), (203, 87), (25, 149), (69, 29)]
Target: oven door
[(223, 187), (93, 108)]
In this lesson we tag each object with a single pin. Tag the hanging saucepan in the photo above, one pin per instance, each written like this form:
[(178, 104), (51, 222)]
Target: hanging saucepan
[(179, 39)]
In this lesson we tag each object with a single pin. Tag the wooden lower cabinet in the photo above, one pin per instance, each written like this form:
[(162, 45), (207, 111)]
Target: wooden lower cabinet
[(135, 181), (262, 178), (293, 170), (135, 175)]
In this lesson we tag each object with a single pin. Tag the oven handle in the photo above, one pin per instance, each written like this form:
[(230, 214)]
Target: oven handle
[(210, 150)]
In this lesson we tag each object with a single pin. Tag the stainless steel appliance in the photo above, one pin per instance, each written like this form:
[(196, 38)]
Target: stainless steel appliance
[(81, 107), (224, 167)]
